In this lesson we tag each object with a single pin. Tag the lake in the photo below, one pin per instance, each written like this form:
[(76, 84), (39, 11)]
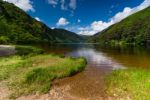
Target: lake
[(101, 60)]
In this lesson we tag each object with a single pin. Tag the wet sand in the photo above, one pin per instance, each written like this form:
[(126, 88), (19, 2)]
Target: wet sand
[(87, 85)]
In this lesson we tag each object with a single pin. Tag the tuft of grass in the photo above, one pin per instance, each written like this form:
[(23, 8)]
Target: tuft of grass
[(129, 83), (32, 74), (8, 65)]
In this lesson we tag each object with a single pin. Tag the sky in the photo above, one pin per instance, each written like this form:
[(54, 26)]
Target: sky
[(86, 17)]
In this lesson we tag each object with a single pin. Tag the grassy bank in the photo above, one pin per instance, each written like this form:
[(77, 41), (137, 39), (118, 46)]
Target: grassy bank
[(35, 73), (129, 83), (27, 50)]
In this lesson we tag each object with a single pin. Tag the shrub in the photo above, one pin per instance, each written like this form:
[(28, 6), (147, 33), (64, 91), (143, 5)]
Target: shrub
[(4, 40)]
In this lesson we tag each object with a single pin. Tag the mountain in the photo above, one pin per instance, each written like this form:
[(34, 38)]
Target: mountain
[(16, 27), (135, 29)]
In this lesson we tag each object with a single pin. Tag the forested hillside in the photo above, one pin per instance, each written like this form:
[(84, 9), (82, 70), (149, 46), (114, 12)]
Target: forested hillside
[(135, 29), (16, 26)]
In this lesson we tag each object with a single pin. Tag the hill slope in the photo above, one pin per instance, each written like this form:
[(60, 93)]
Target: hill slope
[(18, 27), (135, 29)]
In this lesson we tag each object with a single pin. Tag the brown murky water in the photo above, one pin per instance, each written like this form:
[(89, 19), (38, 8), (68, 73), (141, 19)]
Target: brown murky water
[(89, 84)]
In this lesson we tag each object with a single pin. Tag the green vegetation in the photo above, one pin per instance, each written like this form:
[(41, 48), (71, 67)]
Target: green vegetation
[(129, 83), (23, 29), (9, 65), (27, 50), (134, 30), (32, 73)]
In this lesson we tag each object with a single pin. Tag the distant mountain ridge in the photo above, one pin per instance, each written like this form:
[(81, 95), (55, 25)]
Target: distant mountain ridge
[(16, 26), (135, 29)]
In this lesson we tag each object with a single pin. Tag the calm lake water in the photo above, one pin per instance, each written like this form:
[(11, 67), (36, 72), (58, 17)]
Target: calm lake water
[(113, 57), (101, 61)]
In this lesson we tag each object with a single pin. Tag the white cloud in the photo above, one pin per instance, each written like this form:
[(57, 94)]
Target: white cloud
[(38, 19), (73, 4), (86, 32), (62, 22), (26, 5), (64, 4), (53, 2), (95, 27), (98, 26), (84, 28)]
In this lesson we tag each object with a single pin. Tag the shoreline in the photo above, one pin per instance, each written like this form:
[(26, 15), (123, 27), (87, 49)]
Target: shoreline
[(37, 71)]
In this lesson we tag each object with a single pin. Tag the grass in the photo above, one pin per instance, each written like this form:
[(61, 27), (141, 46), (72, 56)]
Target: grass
[(9, 65), (35, 73), (129, 83)]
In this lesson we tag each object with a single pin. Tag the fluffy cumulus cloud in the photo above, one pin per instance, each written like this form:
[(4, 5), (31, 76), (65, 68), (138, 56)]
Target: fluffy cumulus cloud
[(98, 26), (62, 22), (64, 5), (26, 5)]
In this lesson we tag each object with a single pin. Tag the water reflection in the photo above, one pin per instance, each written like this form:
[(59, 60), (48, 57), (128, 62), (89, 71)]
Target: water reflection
[(128, 56), (95, 58), (114, 57)]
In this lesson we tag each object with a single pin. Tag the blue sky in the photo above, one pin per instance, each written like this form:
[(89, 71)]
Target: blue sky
[(87, 10), (81, 16)]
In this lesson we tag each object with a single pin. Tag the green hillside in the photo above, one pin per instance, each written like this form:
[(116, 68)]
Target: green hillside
[(135, 29), (18, 27)]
